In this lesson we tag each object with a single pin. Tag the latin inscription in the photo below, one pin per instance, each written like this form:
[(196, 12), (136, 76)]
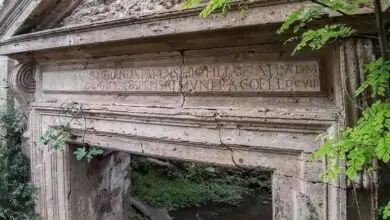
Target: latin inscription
[(299, 76)]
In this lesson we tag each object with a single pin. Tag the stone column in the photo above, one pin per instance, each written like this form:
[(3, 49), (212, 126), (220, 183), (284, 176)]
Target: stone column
[(354, 53), (6, 65)]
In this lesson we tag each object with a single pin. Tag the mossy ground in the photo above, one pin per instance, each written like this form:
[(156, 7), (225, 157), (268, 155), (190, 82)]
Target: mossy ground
[(185, 185)]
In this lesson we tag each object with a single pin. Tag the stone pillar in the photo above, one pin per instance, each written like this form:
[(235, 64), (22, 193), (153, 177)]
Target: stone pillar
[(6, 65), (100, 190), (354, 53)]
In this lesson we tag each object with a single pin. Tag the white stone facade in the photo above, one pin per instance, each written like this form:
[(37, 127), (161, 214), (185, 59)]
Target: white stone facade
[(169, 84)]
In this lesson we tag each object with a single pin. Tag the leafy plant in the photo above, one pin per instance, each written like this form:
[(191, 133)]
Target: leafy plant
[(369, 139), (88, 153), (359, 145), (386, 211), (17, 193), (56, 138), (317, 39), (377, 79)]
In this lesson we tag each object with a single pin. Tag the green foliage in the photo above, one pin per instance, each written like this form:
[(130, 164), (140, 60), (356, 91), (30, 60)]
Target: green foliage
[(179, 193), (313, 38), (173, 187), (223, 5), (377, 79), (345, 6), (299, 18), (316, 39), (359, 145), (88, 153), (56, 138), (386, 211), (370, 138), (17, 193)]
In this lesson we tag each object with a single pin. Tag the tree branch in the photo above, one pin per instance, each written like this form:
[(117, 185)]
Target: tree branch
[(381, 29), (382, 36)]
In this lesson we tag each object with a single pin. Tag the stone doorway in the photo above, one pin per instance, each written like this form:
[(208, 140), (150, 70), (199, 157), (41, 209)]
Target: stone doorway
[(118, 185), (194, 117)]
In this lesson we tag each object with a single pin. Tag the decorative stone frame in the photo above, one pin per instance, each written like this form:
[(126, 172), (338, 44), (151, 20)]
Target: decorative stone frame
[(267, 131), (297, 191), (273, 138)]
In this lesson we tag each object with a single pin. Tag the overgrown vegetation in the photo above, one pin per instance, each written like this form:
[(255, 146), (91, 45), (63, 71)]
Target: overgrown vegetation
[(365, 144), (17, 193), (174, 187)]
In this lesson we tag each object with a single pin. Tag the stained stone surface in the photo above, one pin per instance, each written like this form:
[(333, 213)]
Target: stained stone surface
[(100, 190), (166, 88), (100, 10), (293, 76)]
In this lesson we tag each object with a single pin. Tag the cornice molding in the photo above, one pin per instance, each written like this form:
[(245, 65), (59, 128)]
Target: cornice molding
[(13, 16), (313, 121), (156, 25)]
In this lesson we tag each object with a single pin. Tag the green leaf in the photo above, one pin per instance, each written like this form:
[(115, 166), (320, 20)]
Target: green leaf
[(377, 78), (318, 38), (294, 17), (80, 153), (386, 211), (94, 151)]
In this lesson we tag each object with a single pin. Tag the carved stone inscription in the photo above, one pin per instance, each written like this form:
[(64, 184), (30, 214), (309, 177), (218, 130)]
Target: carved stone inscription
[(299, 76), (249, 77)]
